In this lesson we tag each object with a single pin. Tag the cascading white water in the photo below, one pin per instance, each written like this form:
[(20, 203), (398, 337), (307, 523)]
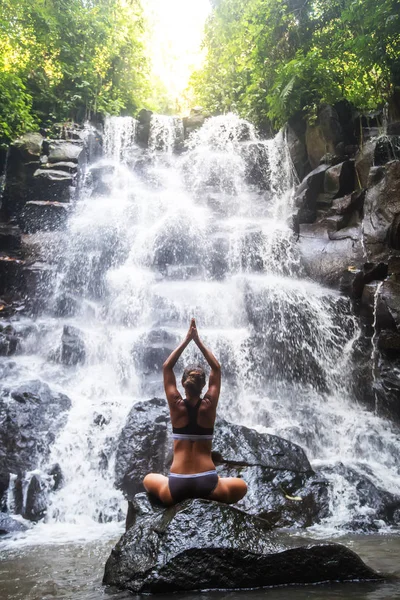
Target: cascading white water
[(204, 234)]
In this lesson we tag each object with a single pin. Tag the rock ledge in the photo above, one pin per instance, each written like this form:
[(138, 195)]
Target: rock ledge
[(200, 544)]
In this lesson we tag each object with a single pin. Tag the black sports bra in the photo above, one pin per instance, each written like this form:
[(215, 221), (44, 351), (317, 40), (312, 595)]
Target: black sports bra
[(192, 431)]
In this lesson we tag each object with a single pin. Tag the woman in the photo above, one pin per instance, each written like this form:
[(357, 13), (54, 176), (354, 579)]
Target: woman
[(193, 473)]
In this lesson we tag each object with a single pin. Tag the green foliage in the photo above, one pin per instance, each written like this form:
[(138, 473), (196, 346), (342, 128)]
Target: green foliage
[(15, 108), (69, 59), (268, 59)]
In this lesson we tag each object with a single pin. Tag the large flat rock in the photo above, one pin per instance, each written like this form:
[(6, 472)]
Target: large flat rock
[(200, 544)]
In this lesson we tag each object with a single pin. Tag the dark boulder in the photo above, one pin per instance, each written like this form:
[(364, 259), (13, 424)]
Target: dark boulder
[(373, 154), (31, 415), (256, 159), (387, 379), (142, 133), (18, 185), (43, 216), (152, 349), (295, 137), (326, 254), (354, 279), (9, 340), (73, 350), (65, 151), (10, 238), (144, 445), (374, 503), (11, 274), (282, 485), (324, 135), (200, 545), (339, 179), (35, 505), (307, 194), (194, 121), (29, 146), (10, 525), (381, 211), (52, 184)]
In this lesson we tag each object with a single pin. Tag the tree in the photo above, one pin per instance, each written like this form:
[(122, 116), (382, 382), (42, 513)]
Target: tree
[(267, 59), (70, 59)]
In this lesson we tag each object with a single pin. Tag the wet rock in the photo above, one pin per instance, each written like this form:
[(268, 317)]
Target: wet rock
[(66, 151), (101, 420), (347, 205), (295, 138), (18, 185), (9, 340), (365, 159), (375, 503), (217, 259), (389, 341), (390, 295), (281, 323), (52, 184), (387, 149), (307, 194), (35, 500), (102, 177), (276, 470), (29, 146), (373, 154), (339, 179), (200, 544), (44, 216), (31, 415), (142, 133), (153, 349), (257, 164), (354, 279), (144, 445), (10, 525), (11, 274), (66, 305), (193, 122), (62, 166), (57, 477), (324, 258), (10, 238), (324, 136), (381, 208), (387, 384), (73, 350), (37, 278)]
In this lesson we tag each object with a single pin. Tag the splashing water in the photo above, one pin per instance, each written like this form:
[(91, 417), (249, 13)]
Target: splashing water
[(205, 234)]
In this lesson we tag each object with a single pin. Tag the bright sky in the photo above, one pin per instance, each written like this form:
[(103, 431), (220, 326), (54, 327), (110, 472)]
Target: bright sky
[(177, 35)]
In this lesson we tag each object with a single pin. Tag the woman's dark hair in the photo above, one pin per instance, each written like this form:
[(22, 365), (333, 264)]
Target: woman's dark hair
[(192, 368)]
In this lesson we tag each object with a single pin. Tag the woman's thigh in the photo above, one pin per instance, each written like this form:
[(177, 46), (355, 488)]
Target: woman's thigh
[(157, 485), (229, 490)]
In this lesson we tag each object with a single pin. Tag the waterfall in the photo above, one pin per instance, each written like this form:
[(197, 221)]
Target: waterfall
[(206, 233)]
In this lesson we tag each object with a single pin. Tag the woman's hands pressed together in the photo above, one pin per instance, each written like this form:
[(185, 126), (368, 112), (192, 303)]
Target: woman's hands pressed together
[(193, 334)]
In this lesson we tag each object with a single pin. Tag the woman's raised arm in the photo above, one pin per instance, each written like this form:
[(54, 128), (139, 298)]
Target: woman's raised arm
[(214, 384), (171, 391)]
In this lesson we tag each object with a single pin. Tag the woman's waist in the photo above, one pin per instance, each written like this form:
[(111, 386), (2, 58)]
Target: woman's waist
[(193, 463), (193, 447)]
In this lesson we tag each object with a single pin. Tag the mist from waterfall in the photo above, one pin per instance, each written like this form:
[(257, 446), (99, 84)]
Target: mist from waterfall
[(158, 237)]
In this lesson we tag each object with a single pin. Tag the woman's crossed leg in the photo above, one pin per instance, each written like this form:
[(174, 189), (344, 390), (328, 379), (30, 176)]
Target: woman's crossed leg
[(228, 490)]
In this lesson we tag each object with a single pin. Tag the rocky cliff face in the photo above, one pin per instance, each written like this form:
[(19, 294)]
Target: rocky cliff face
[(346, 222), (42, 175), (348, 225)]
